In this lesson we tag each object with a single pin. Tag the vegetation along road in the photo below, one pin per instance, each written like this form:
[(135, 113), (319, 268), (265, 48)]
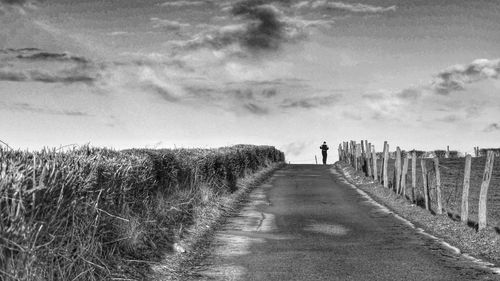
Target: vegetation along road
[(308, 223)]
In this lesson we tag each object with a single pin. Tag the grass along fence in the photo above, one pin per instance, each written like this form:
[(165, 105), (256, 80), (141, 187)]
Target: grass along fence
[(458, 187), (98, 214)]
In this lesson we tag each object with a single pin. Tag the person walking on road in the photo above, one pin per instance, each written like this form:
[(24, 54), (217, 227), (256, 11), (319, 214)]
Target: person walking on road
[(324, 149)]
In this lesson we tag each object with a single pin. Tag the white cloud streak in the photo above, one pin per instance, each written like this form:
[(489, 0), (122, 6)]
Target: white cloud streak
[(183, 3), (342, 6)]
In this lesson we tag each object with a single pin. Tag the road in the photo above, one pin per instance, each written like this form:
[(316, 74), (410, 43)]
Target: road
[(306, 223)]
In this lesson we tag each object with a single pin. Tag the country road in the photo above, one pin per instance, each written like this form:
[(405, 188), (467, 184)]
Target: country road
[(306, 223)]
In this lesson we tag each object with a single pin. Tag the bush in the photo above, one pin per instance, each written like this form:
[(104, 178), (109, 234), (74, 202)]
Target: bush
[(80, 213)]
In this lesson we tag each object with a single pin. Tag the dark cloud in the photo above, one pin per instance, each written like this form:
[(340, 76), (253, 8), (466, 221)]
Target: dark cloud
[(13, 2), (14, 76), (493, 127), (410, 94), (267, 30), (456, 77), (264, 28), (45, 56), (46, 77), (164, 93), (256, 109), (253, 95), (269, 93), (310, 102), (31, 64)]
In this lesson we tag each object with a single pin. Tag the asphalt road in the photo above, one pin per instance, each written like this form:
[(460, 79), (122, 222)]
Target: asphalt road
[(306, 223)]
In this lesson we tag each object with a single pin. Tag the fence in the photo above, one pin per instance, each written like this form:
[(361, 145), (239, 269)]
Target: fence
[(458, 187)]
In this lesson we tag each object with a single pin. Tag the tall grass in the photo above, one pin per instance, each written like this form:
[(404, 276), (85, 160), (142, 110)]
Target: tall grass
[(95, 214)]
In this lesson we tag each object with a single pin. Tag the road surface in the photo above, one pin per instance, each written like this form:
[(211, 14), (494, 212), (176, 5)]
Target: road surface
[(306, 223)]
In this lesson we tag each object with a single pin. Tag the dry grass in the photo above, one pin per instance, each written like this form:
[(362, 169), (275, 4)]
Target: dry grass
[(100, 214)]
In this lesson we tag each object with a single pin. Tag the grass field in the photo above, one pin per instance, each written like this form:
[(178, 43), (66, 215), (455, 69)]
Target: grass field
[(452, 176)]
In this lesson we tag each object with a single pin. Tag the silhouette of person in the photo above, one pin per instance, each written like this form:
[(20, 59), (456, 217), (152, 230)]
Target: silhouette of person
[(324, 149)]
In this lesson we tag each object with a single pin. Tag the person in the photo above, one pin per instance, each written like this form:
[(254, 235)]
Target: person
[(324, 149)]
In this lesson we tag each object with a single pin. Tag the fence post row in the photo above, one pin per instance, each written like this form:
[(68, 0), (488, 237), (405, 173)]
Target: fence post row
[(363, 157)]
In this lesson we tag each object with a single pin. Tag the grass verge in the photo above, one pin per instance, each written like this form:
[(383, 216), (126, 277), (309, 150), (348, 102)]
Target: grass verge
[(484, 244), (193, 246)]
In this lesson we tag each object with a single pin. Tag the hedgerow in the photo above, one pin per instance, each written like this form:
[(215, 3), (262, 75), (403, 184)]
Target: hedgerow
[(96, 213)]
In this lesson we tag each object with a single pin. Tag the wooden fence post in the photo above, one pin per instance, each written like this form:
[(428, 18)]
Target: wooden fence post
[(374, 158), (340, 152), (358, 158), (414, 176), (464, 212), (384, 166), (368, 159), (438, 186), (353, 155), (483, 194), (424, 178), (398, 170), (403, 176)]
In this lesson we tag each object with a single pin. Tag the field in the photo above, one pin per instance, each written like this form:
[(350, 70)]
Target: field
[(452, 176), (100, 214)]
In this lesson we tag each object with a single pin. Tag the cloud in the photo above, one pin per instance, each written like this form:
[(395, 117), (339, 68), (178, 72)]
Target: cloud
[(67, 77), (27, 107), (162, 91), (349, 7), (19, 6), (256, 109), (183, 3), (449, 118), (268, 30), (310, 102), (493, 127), (46, 56), (410, 94), (13, 2), (168, 24), (294, 148), (264, 28), (456, 77), (118, 33), (31, 64)]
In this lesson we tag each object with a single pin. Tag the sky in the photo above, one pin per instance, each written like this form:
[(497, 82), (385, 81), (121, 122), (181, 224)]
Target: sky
[(420, 74)]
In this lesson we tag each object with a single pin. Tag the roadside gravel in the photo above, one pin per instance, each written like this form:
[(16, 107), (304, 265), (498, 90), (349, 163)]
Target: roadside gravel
[(484, 244)]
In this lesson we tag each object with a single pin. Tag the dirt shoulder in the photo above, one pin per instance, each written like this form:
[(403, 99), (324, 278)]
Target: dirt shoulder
[(484, 245), (193, 246)]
